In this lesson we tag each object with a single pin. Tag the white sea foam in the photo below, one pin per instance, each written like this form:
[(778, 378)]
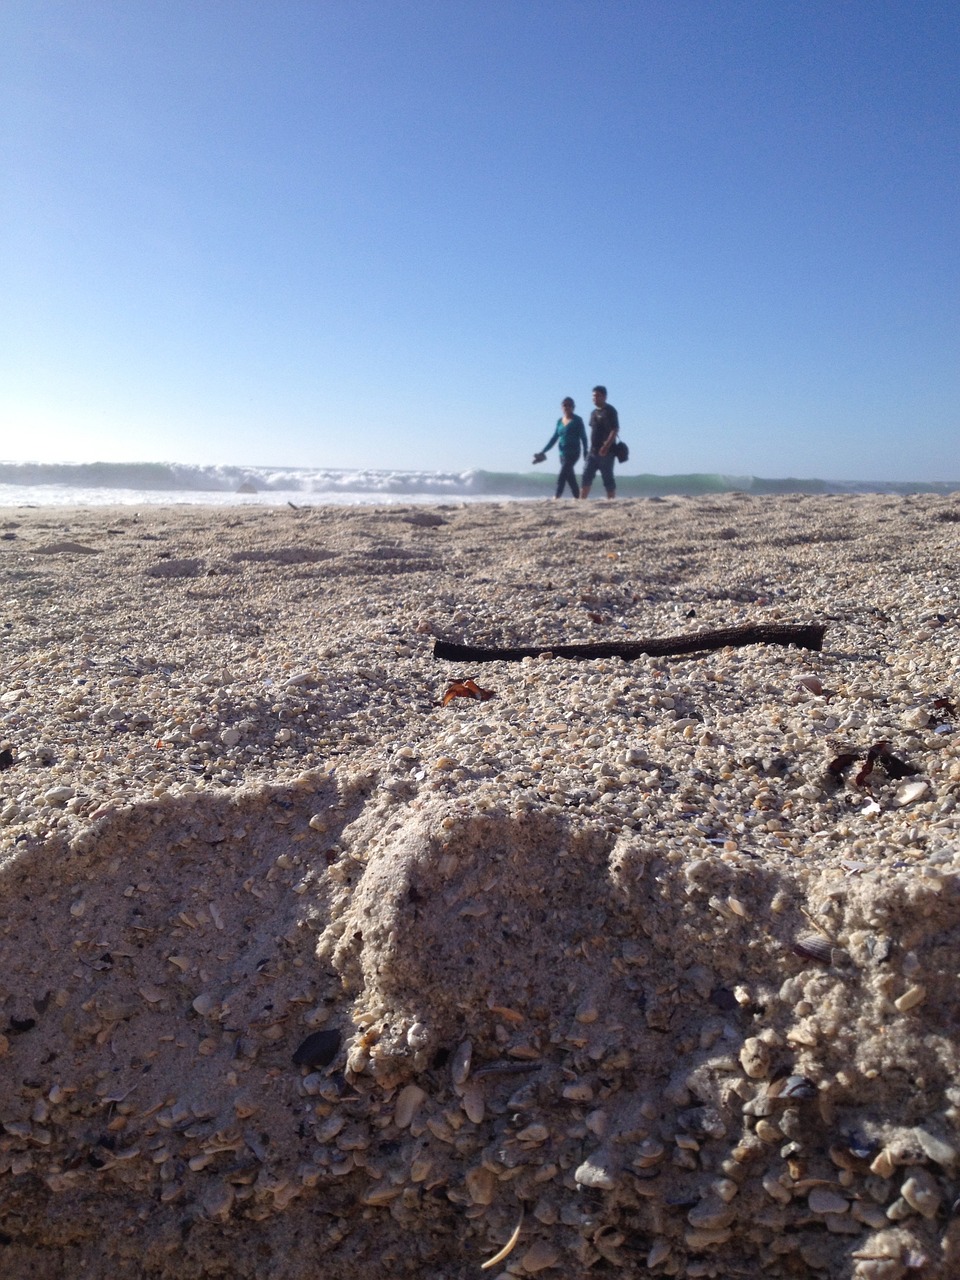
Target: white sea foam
[(68, 496), (156, 483)]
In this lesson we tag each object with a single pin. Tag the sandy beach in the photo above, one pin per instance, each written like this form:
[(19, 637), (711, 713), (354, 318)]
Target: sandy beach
[(633, 967)]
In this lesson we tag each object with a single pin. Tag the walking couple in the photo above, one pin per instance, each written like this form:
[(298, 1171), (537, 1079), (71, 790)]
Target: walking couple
[(600, 452)]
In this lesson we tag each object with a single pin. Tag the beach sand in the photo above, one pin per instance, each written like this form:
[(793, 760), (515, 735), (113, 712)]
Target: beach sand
[(647, 957)]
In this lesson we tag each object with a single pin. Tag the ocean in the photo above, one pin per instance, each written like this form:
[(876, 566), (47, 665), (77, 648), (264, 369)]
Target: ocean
[(164, 483)]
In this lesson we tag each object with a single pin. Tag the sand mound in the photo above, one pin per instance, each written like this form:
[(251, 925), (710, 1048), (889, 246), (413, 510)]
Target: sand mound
[(694, 1065)]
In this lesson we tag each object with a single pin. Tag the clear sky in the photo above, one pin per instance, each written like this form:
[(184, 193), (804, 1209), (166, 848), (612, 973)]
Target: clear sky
[(395, 233)]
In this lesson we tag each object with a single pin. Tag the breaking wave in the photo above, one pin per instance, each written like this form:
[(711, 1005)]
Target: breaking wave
[(151, 482)]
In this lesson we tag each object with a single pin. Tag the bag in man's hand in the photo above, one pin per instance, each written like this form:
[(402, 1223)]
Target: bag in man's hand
[(620, 451)]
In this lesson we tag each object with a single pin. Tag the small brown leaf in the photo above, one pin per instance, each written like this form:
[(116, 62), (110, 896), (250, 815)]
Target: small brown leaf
[(466, 689)]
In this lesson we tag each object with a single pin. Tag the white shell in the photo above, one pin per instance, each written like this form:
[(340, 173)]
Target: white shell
[(473, 1103), (811, 683), (460, 1063), (911, 791), (408, 1101)]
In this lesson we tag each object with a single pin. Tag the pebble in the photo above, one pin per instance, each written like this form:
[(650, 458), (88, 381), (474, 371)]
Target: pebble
[(58, 796), (649, 1153), (407, 1105), (921, 1192), (768, 1132), (218, 1199), (936, 1148), (883, 1164), (870, 1214), (473, 1100), (587, 1011), (755, 1058), (461, 1061), (900, 1210), (328, 1129), (596, 1171), (539, 1257), (206, 1004), (711, 1214), (704, 1238), (776, 1189), (911, 997), (659, 1253), (580, 1091), (481, 1184), (822, 1200), (418, 1035), (811, 683)]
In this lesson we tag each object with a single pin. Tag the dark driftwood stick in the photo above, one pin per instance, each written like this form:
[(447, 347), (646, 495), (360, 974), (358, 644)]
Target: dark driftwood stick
[(804, 636)]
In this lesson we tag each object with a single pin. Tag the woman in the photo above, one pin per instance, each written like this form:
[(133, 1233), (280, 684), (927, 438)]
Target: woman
[(572, 435)]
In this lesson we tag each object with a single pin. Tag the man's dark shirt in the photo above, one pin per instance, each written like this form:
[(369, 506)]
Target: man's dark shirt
[(602, 422)]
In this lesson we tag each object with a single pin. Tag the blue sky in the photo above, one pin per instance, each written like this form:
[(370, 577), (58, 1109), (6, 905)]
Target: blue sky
[(397, 233)]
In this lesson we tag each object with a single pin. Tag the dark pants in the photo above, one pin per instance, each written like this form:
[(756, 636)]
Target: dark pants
[(568, 476), (603, 464)]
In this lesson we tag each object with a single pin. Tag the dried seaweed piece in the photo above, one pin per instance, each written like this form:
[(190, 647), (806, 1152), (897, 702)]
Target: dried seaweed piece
[(466, 689), (878, 756), (805, 636), (840, 764), (6, 759), (507, 1069), (944, 704), (892, 765), (867, 768)]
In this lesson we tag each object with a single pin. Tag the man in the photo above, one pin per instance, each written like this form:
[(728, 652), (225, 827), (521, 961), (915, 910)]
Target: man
[(604, 428)]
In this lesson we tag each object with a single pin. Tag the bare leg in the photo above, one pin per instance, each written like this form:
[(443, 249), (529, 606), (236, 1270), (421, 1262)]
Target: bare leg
[(584, 491)]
